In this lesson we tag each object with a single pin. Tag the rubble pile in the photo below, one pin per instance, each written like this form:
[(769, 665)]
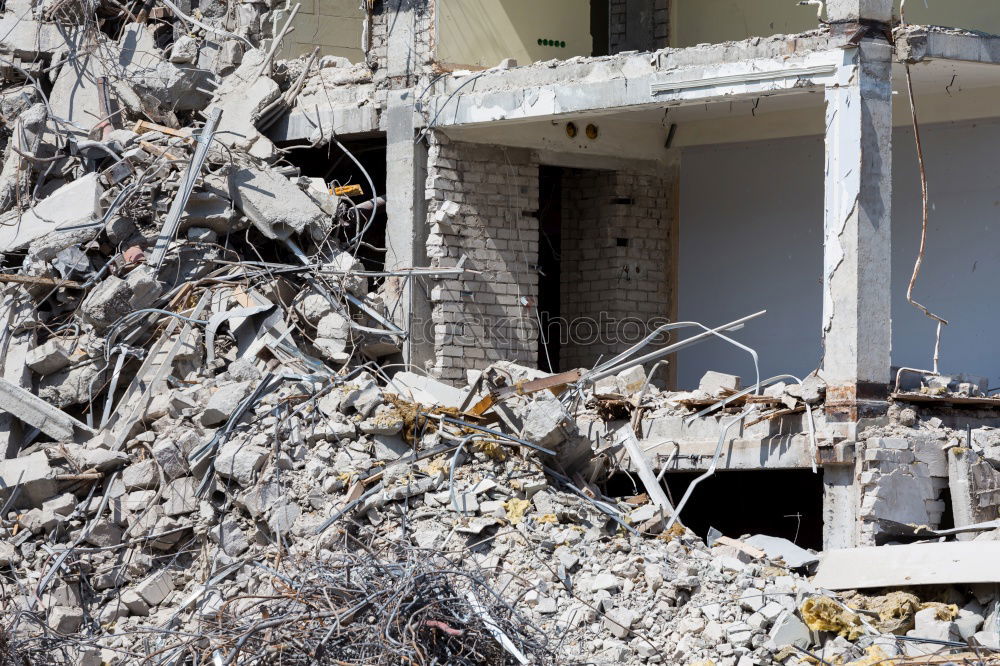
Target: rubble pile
[(212, 452)]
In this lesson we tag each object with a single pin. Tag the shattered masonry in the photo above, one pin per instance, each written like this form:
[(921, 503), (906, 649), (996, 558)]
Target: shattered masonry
[(279, 381)]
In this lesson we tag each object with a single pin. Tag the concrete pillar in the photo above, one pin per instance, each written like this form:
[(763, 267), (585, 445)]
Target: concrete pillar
[(859, 10), (406, 226), (840, 507), (856, 243)]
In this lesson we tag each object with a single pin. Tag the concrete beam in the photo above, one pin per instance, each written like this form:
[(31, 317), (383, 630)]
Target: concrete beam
[(918, 44), (31, 409), (323, 120), (857, 239), (652, 89), (406, 226), (859, 10), (778, 452)]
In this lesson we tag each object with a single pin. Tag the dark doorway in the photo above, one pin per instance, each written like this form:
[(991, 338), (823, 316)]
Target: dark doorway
[(780, 503), (600, 16), (337, 169), (549, 252)]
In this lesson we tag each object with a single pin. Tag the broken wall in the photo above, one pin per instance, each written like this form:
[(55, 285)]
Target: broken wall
[(409, 26), (482, 203), (617, 232)]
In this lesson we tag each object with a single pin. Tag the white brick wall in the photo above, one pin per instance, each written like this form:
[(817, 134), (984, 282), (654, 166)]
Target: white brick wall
[(478, 319), (603, 281)]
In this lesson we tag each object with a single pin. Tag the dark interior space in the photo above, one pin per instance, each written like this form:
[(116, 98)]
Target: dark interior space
[(549, 250), (337, 169), (600, 14), (780, 503)]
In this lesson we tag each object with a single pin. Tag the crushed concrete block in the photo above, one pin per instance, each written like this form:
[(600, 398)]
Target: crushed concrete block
[(154, 589), (171, 459), (620, 621), (606, 581), (136, 605), (333, 333), (223, 403), (789, 630), (50, 357), (927, 625), (104, 533), (347, 263), (230, 537), (65, 620), (62, 505), (631, 380), (39, 521), (546, 421), (141, 475), (240, 461), (106, 303), (184, 50), (33, 473), (276, 206), (810, 391), (8, 554), (390, 447), (283, 517), (143, 287), (715, 383), (313, 307), (606, 386), (180, 496)]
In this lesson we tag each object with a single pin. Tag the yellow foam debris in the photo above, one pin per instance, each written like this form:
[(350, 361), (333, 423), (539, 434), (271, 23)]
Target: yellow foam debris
[(515, 509), (547, 518), (876, 657), (895, 611), (821, 613), (943, 612)]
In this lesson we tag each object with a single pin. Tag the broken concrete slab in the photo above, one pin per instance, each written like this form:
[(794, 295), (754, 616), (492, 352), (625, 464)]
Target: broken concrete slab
[(35, 411), (777, 548), (78, 203), (50, 357), (275, 205), (223, 402), (425, 390), (717, 383), (914, 564)]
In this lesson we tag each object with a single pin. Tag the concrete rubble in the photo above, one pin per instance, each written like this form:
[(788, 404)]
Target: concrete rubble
[(218, 449)]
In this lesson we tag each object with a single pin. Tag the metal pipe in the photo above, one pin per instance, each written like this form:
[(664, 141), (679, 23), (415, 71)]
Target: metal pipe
[(711, 468), (593, 376)]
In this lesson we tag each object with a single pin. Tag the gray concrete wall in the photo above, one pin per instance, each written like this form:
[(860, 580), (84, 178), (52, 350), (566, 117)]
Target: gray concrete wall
[(751, 235)]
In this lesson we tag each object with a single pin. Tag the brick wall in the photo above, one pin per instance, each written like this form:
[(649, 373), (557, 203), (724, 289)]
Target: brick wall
[(616, 248), (390, 17), (638, 25), (493, 193)]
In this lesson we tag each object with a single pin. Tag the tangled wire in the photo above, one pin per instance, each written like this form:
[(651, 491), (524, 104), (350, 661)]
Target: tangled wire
[(404, 607)]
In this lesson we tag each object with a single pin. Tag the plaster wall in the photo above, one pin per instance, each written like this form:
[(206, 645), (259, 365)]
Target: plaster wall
[(713, 21), (751, 239)]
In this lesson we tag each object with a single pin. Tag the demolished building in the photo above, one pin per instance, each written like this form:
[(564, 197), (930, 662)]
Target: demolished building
[(578, 275)]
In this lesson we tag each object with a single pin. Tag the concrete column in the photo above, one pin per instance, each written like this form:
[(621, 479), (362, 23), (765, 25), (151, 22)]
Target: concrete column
[(840, 507), (859, 10), (406, 226), (856, 243)]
